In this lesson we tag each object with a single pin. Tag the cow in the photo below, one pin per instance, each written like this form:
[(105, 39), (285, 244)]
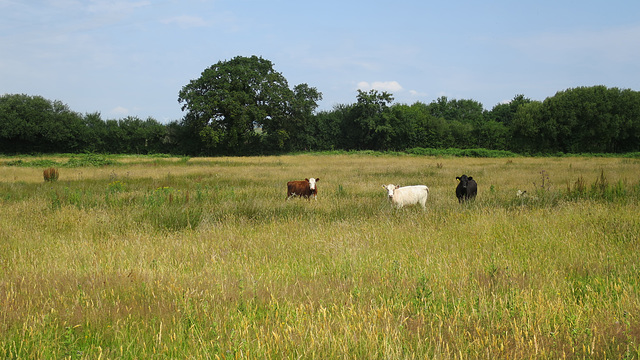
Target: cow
[(407, 195), (305, 188), (467, 188)]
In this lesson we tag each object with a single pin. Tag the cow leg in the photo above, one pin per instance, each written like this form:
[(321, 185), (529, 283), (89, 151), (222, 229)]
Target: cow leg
[(423, 203)]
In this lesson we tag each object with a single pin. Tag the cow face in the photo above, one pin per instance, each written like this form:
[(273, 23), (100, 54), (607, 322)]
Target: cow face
[(312, 183), (464, 181), (390, 189)]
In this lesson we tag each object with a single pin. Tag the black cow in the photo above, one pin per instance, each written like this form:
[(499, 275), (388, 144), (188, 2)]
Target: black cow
[(467, 188)]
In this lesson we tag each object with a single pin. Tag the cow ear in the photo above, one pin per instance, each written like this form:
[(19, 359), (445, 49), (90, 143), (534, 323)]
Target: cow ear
[(470, 177), (458, 178), (384, 186), (306, 179), (317, 179)]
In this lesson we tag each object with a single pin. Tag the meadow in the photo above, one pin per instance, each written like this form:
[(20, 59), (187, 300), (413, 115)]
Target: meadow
[(144, 257)]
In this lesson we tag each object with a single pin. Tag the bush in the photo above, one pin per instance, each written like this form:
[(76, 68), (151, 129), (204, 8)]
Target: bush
[(461, 152), (50, 174), (89, 160)]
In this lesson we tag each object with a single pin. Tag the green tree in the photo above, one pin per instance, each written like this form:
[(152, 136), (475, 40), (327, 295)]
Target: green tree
[(627, 112), (588, 119), (525, 130), (95, 135), (428, 131), (114, 137), (492, 135), (505, 112), (233, 100), (35, 124), (292, 129), (327, 128), (463, 117), (369, 125), (137, 136), (464, 110)]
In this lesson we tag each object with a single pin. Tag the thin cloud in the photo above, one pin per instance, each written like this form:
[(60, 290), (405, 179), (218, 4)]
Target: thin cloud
[(186, 21), (390, 86), (416, 93), (65, 4), (106, 6), (119, 110)]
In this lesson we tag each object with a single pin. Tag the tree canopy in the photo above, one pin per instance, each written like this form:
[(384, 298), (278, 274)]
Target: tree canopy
[(243, 106), (35, 124), (232, 100)]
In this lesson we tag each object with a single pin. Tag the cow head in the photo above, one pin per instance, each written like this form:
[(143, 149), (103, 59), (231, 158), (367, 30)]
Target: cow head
[(312, 183), (390, 188), (464, 180)]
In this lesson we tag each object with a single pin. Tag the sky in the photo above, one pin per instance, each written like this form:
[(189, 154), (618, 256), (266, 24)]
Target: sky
[(131, 58)]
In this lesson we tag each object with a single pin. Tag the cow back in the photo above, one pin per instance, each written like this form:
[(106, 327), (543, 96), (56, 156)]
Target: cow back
[(300, 188)]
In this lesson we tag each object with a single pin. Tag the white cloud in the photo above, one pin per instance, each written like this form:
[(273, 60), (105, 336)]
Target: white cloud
[(119, 110), (363, 85), (415, 93), (186, 21), (390, 86)]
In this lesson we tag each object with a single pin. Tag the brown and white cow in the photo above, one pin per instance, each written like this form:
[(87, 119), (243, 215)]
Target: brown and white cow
[(305, 188)]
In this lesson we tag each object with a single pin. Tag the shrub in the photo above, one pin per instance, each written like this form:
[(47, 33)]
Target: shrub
[(89, 160), (50, 174), (579, 189)]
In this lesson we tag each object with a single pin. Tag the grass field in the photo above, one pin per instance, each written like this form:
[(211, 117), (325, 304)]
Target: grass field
[(203, 258)]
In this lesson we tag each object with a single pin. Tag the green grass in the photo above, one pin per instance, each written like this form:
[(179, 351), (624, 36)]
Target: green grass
[(205, 259)]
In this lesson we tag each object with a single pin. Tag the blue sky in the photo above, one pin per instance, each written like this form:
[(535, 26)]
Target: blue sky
[(131, 58)]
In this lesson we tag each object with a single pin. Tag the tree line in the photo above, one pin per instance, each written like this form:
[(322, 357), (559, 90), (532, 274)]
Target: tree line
[(244, 107)]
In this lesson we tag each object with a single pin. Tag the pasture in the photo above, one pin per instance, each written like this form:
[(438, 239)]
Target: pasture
[(204, 258)]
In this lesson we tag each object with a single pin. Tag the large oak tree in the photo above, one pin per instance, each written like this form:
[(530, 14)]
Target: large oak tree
[(237, 103)]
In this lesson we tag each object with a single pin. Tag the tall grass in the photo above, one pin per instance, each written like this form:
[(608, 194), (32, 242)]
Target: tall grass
[(204, 258)]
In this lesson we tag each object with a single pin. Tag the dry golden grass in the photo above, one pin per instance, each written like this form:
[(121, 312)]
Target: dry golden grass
[(205, 259)]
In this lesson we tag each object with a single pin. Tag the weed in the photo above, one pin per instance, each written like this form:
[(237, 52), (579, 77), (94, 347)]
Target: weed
[(54, 203), (115, 187), (51, 174), (545, 182), (601, 185), (578, 190)]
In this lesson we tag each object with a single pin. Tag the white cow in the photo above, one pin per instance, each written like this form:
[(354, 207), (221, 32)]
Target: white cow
[(407, 195)]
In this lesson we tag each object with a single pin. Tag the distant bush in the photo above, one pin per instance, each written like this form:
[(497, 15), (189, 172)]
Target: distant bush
[(74, 161), (461, 152), (34, 163), (89, 160), (50, 174)]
